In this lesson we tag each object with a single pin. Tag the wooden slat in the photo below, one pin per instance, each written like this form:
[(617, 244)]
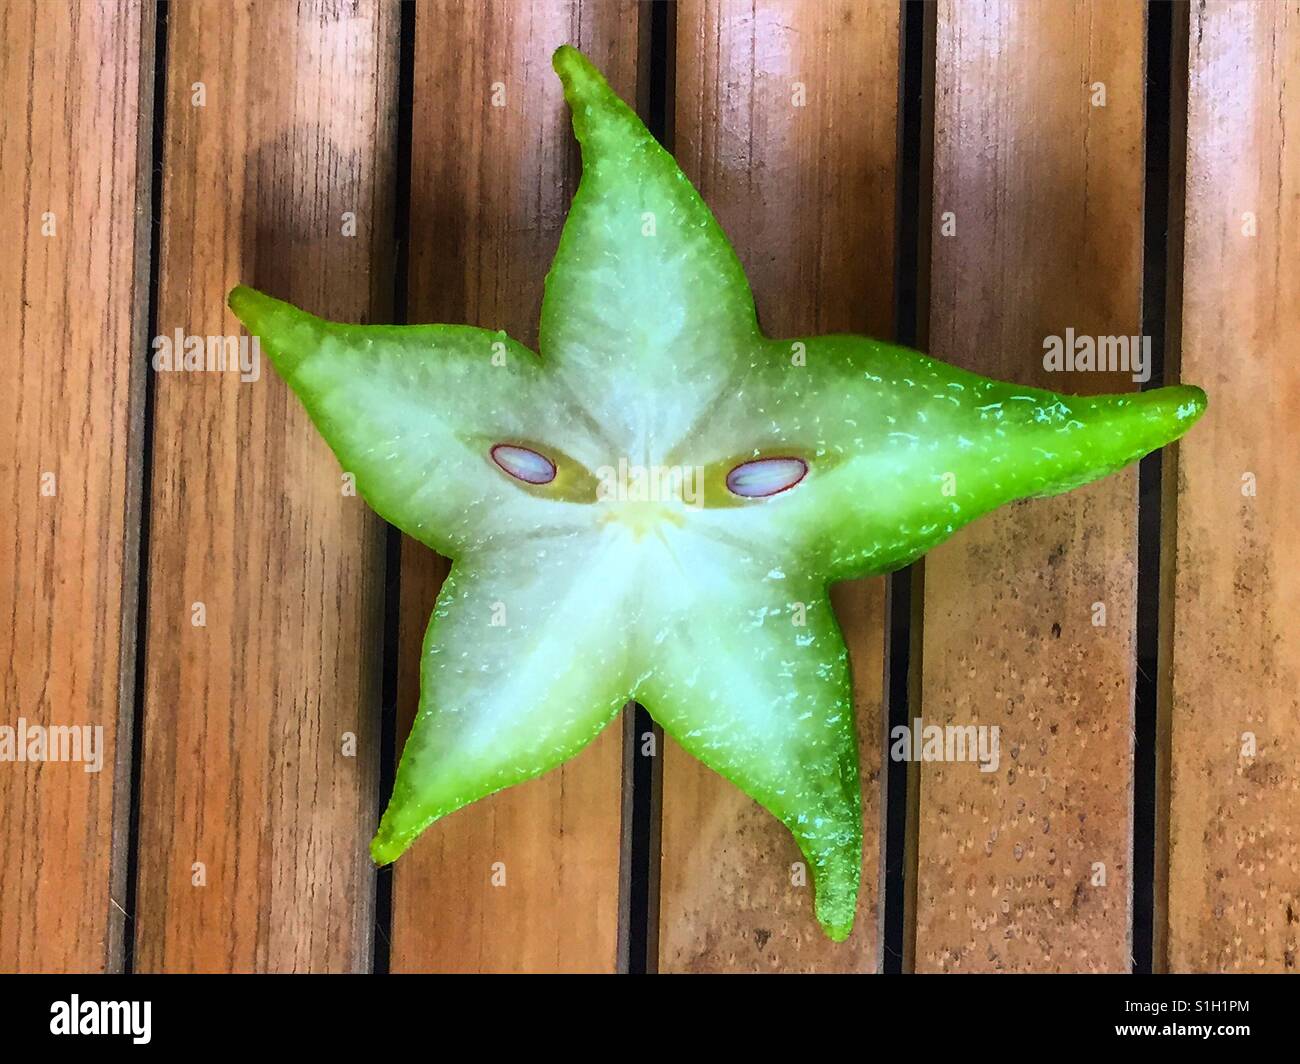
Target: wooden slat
[(71, 312), (244, 767), (1232, 586), (1046, 193), (806, 191), (490, 187)]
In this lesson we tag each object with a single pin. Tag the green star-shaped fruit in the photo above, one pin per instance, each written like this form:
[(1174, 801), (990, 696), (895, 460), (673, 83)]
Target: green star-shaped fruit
[(654, 506)]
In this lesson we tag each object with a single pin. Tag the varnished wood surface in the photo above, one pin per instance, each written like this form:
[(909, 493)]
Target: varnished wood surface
[(1232, 701), (490, 189), (1045, 192), (73, 279), (255, 818), (786, 119), (260, 729)]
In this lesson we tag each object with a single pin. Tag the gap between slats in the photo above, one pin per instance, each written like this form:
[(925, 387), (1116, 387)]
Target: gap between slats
[(153, 81), (1162, 267), (388, 729), (905, 618)]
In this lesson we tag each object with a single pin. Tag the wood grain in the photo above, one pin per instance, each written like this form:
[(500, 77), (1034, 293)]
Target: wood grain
[(490, 188), (1231, 585), (71, 312), (1045, 191), (786, 120), (246, 779)]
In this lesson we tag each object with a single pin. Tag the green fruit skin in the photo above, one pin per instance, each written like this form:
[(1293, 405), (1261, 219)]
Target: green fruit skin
[(902, 450)]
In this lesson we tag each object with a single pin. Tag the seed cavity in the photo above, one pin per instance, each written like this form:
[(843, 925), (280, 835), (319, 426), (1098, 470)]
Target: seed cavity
[(766, 476), (524, 464)]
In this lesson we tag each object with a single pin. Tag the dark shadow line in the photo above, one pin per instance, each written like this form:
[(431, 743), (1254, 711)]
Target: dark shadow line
[(1154, 266), (656, 77), (158, 114), (903, 599), (381, 944), (1165, 135)]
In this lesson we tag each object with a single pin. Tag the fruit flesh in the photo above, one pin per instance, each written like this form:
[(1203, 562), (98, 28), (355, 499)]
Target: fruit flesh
[(566, 600)]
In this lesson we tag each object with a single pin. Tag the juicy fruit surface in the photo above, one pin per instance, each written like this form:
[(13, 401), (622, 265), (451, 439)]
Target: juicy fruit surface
[(617, 561)]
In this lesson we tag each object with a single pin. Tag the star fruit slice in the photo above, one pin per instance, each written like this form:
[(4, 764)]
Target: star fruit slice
[(577, 586)]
